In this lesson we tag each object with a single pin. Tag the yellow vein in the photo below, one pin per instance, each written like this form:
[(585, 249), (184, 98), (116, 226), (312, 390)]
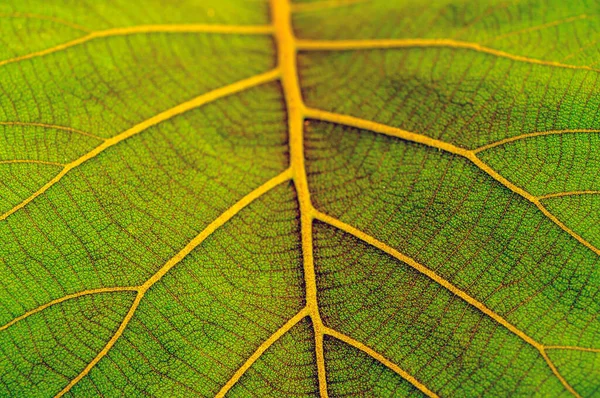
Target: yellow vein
[(541, 27), (13, 161), (530, 135), (52, 126), (107, 347), (184, 28), (450, 148), (425, 271), (323, 5), (446, 284), (65, 298), (286, 53), (352, 121), (341, 45), (260, 350), (161, 117), (570, 347), (567, 193), (44, 18), (142, 289), (374, 354), (222, 219)]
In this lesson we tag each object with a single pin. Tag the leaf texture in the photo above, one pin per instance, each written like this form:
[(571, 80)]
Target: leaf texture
[(320, 198)]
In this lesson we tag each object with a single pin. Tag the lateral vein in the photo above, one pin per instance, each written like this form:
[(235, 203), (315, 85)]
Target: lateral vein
[(183, 28), (531, 135), (260, 350), (342, 45), (448, 286), (142, 289), (161, 117), (323, 5), (450, 148), (50, 18), (65, 298), (52, 126), (32, 161), (383, 360), (567, 193)]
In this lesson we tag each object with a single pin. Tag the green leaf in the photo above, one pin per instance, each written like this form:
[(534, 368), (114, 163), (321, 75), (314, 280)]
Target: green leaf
[(327, 198)]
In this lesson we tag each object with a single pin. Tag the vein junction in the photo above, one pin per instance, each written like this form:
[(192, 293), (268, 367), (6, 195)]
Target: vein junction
[(288, 46)]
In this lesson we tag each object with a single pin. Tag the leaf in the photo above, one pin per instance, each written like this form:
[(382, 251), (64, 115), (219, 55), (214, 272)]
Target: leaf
[(331, 197)]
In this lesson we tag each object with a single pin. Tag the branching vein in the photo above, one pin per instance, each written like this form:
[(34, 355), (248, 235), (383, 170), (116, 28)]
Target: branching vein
[(173, 261), (184, 28), (374, 354), (450, 148), (52, 126), (447, 285), (60, 21), (567, 193), (531, 135), (260, 350), (541, 27), (323, 5), (286, 52), (287, 71), (32, 161), (65, 298), (341, 45), (138, 128)]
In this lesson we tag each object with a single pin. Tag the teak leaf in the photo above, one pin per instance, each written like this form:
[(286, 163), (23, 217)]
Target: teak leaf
[(326, 198)]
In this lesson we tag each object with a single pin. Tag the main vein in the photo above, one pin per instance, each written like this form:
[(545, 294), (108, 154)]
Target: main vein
[(288, 46), (138, 128), (297, 113), (286, 52)]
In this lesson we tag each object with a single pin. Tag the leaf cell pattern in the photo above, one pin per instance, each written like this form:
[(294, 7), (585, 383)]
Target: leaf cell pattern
[(248, 198)]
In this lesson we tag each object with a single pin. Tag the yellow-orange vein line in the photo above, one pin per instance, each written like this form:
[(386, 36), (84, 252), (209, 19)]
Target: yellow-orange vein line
[(447, 147), (341, 45), (540, 27), (33, 161), (567, 193), (352, 121), (446, 284), (286, 52), (372, 353), (425, 271), (218, 222), (65, 298), (560, 377), (107, 347), (530, 135), (51, 126), (322, 5), (260, 350), (570, 347), (184, 28), (142, 289), (161, 117), (45, 18)]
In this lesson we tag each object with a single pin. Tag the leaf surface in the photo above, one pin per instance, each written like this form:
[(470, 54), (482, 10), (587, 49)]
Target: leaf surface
[(321, 198)]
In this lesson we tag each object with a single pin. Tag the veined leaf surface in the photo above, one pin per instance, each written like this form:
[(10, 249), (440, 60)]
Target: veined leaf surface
[(326, 198)]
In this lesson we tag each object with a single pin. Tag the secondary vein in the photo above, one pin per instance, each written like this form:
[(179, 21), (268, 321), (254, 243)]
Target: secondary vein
[(181, 28), (138, 128), (342, 45)]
